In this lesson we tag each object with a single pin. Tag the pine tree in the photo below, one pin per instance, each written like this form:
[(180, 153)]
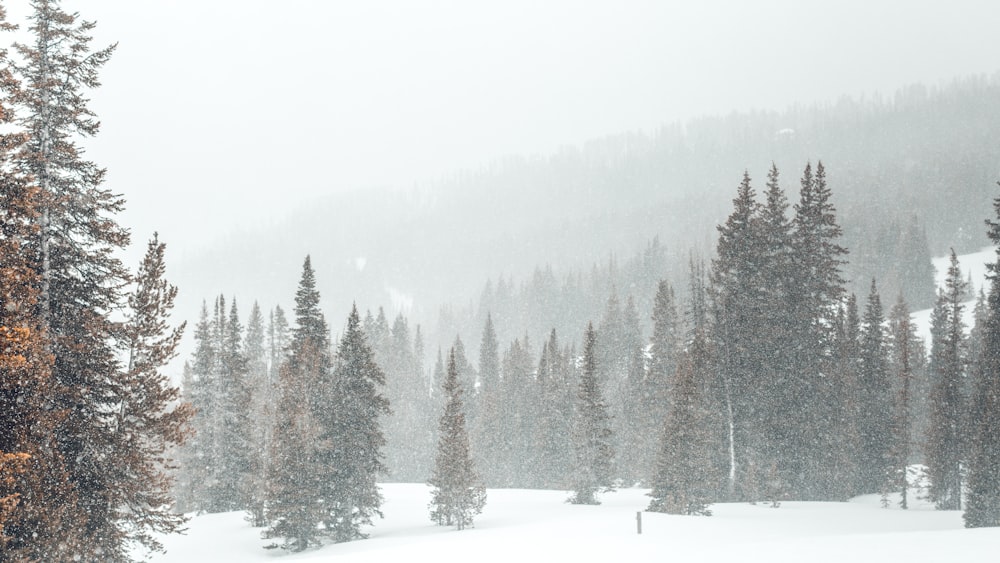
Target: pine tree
[(260, 391), (982, 507), (815, 292), (486, 408), (875, 426), (684, 482), (555, 418), (904, 341), (945, 451), (457, 495), (149, 421), (736, 306), (301, 472), (38, 503), (81, 278), (295, 504), (592, 431), (356, 434)]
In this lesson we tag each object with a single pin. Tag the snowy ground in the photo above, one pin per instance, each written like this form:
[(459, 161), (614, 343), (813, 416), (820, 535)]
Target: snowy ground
[(521, 525)]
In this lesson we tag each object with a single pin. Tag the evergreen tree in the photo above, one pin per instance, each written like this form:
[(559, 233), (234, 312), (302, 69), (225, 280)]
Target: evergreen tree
[(665, 346), (592, 431), (875, 426), (260, 412), (81, 278), (737, 302), (684, 482), (982, 507), (37, 500), (815, 292), (148, 422), (945, 451), (457, 495), (904, 341), (356, 458), (301, 472), (295, 502), (555, 419), (235, 461)]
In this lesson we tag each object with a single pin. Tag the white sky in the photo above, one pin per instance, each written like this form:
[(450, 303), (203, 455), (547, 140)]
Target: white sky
[(226, 114)]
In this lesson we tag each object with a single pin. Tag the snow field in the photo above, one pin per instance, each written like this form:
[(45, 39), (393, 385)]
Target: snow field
[(528, 525)]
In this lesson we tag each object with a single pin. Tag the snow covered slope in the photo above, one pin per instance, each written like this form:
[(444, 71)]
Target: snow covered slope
[(524, 526)]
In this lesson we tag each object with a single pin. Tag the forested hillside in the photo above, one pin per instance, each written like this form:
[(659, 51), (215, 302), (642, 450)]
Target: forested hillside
[(921, 161)]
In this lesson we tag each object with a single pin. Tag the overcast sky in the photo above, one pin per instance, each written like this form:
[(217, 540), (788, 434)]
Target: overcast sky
[(226, 114)]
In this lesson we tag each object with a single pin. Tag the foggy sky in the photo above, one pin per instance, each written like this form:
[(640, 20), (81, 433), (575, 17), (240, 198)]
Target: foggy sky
[(227, 114)]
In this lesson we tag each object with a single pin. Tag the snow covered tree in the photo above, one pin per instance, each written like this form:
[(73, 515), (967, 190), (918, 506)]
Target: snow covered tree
[(259, 414), (904, 343), (876, 399), (555, 417), (295, 503), (356, 458), (684, 480), (982, 507), (149, 420), (592, 434), (458, 494), (945, 440), (38, 508), (300, 469), (76, 247)]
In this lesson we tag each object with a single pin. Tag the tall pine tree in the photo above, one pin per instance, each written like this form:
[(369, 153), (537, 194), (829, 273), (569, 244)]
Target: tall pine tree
[(982, 507), (945, 451), (457, 495), (591, 431)]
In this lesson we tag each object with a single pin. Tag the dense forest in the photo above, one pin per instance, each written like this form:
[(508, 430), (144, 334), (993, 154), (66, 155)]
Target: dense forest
[(767, 354)]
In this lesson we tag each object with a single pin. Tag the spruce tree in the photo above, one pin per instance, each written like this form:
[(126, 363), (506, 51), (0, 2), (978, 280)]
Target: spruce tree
[(300, 495), (945, 451), (875, 426), (904, 342), (982, 506), (591, 431), (457, 494), (357, 456), (76, 248), (37, 500), (259, 411), (555, 418), (149, 421), (684, 480)]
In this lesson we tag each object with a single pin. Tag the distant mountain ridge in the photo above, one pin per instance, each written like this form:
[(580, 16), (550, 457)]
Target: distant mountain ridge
[(923, 163)]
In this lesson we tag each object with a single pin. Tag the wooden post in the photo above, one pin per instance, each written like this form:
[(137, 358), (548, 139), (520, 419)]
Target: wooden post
[(638, 522)]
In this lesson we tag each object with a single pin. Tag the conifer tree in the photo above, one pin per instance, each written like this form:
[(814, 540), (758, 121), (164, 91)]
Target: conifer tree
[(295, 503), (982, 507), (815, 292), (945, 451), (357, 458), (300, 495), (736, 305), (684, 482), (37, 500), (875, 427), (149, 422), (457, 495), (259, 413), (555, 418), (76, 247), (592, 431), (665, 346), (904, 341)]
